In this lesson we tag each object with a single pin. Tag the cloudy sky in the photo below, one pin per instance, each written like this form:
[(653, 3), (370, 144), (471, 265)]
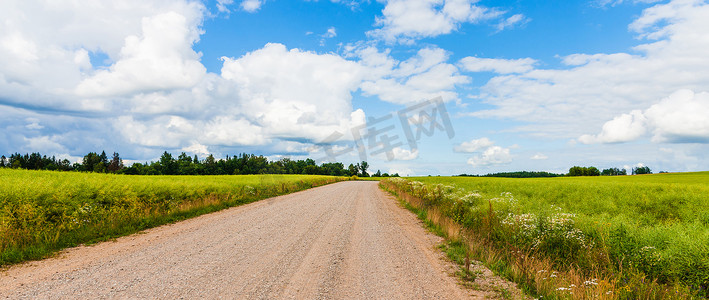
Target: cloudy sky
[(526, 85)]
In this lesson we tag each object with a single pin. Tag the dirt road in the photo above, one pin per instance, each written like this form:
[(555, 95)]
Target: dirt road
[(342, 241)]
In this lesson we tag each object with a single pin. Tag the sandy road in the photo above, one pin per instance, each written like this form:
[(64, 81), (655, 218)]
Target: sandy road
[(342, 241)]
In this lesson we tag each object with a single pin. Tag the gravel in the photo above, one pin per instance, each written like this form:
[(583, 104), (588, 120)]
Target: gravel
[(340, 241)]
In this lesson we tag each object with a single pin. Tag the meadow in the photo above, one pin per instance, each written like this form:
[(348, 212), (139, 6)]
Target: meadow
[(619, 237), (42, 212)]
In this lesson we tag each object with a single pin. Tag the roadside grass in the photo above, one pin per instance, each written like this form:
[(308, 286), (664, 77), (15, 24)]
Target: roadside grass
[(42, 212), (455, 249), (622, 237)]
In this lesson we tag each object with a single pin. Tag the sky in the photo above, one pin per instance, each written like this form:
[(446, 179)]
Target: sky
[(415, 87)]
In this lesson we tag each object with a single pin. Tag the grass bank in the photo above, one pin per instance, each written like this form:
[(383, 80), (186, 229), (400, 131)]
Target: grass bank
[(622, 237), (42, 212)]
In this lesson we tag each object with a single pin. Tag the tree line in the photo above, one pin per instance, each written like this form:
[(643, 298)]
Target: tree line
[(593, 171), (519, 174), (184, 164), (573, 171)]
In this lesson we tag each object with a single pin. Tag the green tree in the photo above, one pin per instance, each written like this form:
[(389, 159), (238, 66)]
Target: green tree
[(364, 166), (116, 163), (642, 170), (167, 165), (592, 171)]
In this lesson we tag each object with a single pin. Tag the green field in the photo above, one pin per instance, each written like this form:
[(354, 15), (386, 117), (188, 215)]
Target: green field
[(648, 235), (44, 211)]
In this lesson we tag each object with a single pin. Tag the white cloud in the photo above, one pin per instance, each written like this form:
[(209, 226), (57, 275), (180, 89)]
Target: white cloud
[(474, 145), (222, 5), (511, 22), (161, 58), (403, 154), (251, 5), (44, 66), (604, 3), (424, 76), (626, 127), (539, 156), (679, 118), (45, 144), (494, 155), (408, 20), (196, 148), (682, 117), (294, 93), (154, 93), (500, 66), (591, 89), (33, 124), (489, 154), (330, 33)]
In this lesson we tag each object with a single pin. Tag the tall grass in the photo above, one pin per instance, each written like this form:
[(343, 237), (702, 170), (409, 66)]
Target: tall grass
[(44, 211), (617, 237)]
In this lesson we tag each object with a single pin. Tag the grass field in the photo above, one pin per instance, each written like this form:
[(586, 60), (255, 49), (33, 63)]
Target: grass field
[(637, 236), (44, 211)]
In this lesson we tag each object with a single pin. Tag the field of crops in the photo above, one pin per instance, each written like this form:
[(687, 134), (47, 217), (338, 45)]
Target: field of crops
[(44, 211), (641, 236)]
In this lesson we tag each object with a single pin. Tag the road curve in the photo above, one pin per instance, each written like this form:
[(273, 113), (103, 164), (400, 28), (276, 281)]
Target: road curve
[(340, 241)]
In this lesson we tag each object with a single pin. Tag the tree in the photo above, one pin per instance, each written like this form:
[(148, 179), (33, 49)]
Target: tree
[(90, 161), (642, 170), (613, 172), (583, 171), (167, 165), (592, 171), (576, 171), (3, 161), (378, 174), (353, 170), (116, 163), (364, 166)]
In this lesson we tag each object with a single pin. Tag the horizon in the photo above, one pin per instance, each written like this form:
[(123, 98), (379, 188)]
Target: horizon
[(416, 87)]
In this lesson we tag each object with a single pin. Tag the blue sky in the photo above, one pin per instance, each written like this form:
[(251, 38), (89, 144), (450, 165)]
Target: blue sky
[(527, 85)]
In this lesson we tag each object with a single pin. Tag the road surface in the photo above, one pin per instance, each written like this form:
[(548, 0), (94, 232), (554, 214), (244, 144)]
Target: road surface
[(347, 240)]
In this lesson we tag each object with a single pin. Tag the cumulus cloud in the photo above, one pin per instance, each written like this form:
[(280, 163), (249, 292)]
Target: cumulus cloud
[(626, 127), (43, 66), (403, 154), (679, 118), (473, 145), (424, 76), (161, 58), (494, 155), (488, 153), (154, 93), (407, 20), (196, 148), (294, 93), (539, 156), (500, 66), (593, 88)]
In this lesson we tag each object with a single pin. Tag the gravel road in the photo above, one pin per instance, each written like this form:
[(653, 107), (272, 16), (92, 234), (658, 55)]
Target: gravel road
[(340, 241)]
